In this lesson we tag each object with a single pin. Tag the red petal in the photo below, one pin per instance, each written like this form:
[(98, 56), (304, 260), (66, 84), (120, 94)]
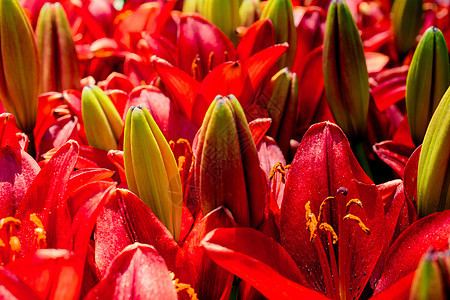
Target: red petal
[(172, 122), (323, 163), (14, 288), (410, 175), (17, 172), (213, 281), (258, 128), (393, 154), (138, 272), (8, 131), (199, 37), (51, 273), (399, 290), (404, 255), (45, 198), (259, 260), (258, 37), (260, 63), (228, 78), (310, 87), (309, 36), (126, 219), (181, 87)]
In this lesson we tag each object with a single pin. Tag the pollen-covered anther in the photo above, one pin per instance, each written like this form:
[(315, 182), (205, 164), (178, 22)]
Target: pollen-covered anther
[(279, 168), (327, 227), (311, 222), (353, 201), (9, 222), (358, 220), (41, 235), (183, 287)]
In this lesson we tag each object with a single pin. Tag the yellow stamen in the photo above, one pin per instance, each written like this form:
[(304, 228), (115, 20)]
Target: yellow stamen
[(194, 66), (2, 244), (210, 60), (311, 222), (327, 227), (41, 235), (9, 221), (327, 199), (353, 201), (357, 220), (279, 168), (183, 287), (187, 153)]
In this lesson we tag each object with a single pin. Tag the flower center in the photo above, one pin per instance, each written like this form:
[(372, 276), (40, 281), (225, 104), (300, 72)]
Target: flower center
[(12, 225)]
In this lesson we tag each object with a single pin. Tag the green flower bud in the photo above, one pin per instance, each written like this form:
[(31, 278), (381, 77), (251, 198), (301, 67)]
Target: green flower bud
[(19, 65), (193, 6), (433, 175), (431, 279), (249, 12), (223, 14), (282, 108), (407, 20), (102, 123), (428, 79), (60, 70), (280, 12), (151, 169), (226, 167), (345, 72)]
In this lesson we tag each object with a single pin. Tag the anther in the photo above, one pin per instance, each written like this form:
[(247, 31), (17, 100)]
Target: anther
[(357, 220), (311, 222), (353, 201), (41, 235), (9, 221), (183, 287), (279, 168), (210, 61), (327, 227)]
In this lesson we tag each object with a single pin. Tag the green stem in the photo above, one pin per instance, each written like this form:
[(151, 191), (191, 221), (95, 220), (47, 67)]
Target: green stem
[(361, 156), (31, 147)]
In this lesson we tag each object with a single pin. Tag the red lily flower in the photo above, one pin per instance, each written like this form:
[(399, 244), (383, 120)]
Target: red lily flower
[(126, 220), (361, 233), (193, 98)]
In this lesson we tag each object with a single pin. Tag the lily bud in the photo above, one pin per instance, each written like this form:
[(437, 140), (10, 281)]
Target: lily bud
[(19, 65), (193, 6), (345, 72), (249, 12), (60, 70), (431, 279), (226, 168), (223, 14), (282, 17), (428, 79), (282, 108), (433, 176), (102, 122), (151, 169), (407, 20)]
